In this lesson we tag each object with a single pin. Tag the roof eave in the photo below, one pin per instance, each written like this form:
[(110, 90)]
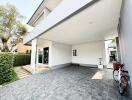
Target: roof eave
[(29, 21)]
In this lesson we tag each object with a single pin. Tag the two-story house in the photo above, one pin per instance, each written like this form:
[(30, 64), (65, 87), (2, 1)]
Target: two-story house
[(75, 31)]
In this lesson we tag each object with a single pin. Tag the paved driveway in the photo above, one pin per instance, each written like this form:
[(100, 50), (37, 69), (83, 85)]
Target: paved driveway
[(69, 83)]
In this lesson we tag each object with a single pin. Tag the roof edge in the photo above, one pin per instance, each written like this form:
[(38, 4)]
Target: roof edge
[(35, 12)]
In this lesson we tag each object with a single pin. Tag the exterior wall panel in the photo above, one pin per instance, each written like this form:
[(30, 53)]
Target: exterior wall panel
[(61, 54), (89, 53), (126, 35)]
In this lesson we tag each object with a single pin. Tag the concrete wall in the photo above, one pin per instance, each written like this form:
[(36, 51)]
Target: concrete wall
[(126, 35), (89, 53), (61, 54)]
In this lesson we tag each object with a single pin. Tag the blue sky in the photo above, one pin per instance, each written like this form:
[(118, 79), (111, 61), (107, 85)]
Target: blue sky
[(25, 7)]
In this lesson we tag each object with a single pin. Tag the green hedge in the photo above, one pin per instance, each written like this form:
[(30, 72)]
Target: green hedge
[(7, 73), (21, 59)]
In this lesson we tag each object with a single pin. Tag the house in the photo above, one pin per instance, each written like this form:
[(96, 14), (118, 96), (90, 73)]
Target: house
[(78, 31), (21, 48)]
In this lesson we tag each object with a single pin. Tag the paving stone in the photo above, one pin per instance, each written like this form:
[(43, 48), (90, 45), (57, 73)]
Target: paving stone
[(68, 83)]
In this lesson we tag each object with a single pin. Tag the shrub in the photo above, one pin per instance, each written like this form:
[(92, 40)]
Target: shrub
[(21, 59), (7, 73), (14, 76)]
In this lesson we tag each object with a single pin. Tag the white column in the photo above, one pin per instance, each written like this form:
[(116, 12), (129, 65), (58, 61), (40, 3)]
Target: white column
[(34, 53)]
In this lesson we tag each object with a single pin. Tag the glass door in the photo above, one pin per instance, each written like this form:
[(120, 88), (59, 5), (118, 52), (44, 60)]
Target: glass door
[(46, 55)]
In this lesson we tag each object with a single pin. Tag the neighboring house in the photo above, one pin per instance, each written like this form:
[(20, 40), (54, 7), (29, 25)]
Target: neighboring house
[(75, 31), (21, 48)]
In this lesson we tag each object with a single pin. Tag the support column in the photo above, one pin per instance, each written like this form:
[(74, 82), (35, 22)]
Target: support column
[(34, 54)]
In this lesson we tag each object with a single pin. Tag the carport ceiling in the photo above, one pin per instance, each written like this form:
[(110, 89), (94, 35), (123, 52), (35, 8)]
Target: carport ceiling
[(91, 24)]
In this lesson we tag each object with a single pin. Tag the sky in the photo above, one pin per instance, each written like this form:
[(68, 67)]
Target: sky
[(25, 7)]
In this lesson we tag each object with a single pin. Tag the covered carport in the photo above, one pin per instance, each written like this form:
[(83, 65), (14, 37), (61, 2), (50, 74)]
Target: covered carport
[(85, 30)]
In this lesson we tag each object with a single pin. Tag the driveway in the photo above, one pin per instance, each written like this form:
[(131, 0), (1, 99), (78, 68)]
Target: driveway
[(68, 83)]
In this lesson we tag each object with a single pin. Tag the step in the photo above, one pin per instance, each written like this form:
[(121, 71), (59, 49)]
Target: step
[(22, 73)]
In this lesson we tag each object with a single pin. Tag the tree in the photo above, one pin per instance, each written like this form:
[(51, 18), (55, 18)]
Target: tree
[(11, 28)]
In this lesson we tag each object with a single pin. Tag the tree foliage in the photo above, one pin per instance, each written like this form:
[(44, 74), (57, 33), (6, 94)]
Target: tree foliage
[(11, 27)]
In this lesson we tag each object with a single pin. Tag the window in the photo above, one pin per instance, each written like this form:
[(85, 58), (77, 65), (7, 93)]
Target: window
[(26, 51), (40, 56), (30, 51), (74, 52)]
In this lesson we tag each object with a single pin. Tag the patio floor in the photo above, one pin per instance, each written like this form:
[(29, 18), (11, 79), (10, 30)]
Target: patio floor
[(68, 83), (22, 73)]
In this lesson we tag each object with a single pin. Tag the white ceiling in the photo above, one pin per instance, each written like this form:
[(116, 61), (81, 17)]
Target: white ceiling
[(97, 22)]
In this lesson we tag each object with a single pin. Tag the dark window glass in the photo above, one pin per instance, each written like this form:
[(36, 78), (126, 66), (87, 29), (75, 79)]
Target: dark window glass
[(26, 51), (74, 52), (30, 51)]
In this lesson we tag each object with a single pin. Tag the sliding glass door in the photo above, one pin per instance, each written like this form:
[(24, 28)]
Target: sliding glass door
[(46, 55)]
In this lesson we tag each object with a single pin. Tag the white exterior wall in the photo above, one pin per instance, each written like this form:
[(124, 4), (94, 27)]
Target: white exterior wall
[(61, 54), (58, 53), (89, 53), (126, 35), (36, 22), (62, 11), (42, 44), (107, 51)]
